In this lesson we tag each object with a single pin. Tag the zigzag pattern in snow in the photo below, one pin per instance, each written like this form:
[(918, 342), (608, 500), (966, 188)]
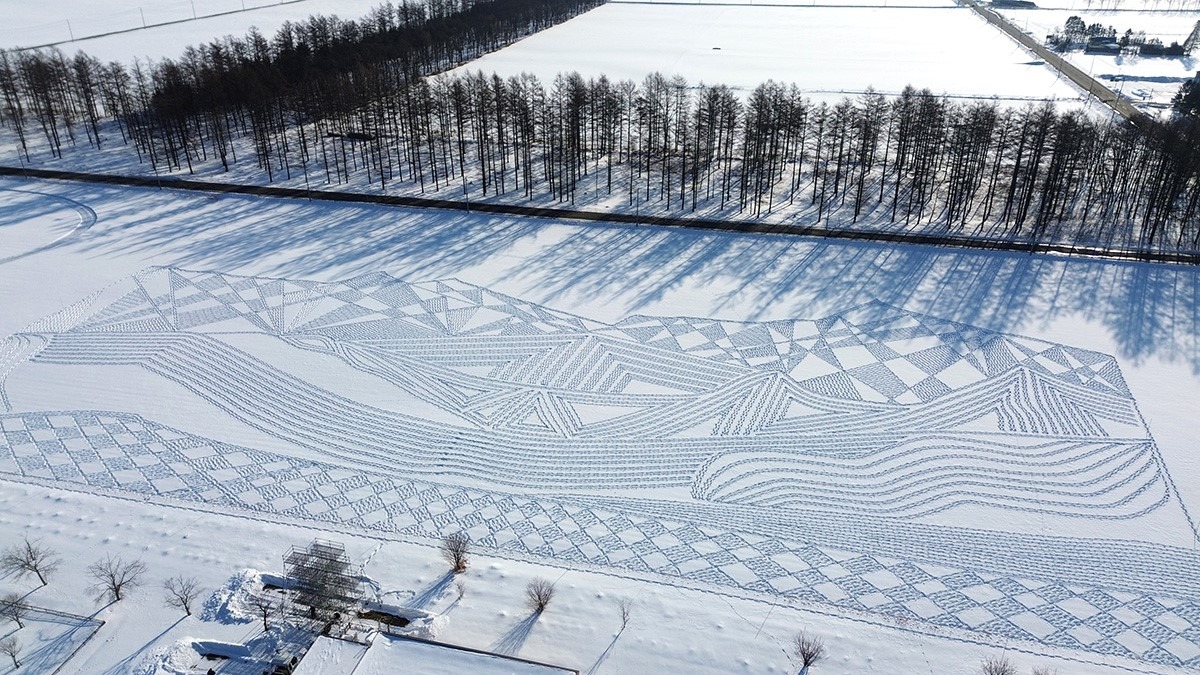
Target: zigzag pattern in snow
[(875, 416)]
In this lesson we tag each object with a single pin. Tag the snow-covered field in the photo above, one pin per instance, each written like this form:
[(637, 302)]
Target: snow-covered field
[(925, 456), (1166, 26), (826, 51), (799, 3), (1148, 82), (73, 23), (1125, 5)]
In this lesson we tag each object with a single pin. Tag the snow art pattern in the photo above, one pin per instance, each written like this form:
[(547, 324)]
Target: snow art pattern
[(858, 460)]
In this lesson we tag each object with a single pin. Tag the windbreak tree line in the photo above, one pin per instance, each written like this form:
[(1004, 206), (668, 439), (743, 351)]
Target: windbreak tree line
[(343, 100), (179, 110)]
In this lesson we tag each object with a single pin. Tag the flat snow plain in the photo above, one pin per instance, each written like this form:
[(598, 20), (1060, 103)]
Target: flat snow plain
[(202, 381), (829, 51), (189, 22), (826, 51)]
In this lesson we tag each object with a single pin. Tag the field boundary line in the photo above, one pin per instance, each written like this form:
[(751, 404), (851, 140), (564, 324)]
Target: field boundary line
[(153, 25), (738, 226)]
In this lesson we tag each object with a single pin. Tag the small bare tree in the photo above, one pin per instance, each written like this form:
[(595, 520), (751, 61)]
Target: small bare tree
[(460, 585), (11, 648), (114, 578), (456, 549), (625, 605), (29, 557), (808, 648), (13, 608), (1043, 670), (180, 592), (998, 665), (538, 594), (265, 608)]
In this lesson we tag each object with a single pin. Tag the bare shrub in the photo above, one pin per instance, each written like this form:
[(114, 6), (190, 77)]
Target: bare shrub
[(460, 585), (808, 648), (180, 592), (29, 557), (456, 549), (114, 578), (998, 665), (538, 594), (265, 608), (11, 648), (1043, 670), (625, 606), (13, 608)]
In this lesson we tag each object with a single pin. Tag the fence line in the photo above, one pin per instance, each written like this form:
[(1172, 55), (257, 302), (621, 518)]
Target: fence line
[(97, 624)]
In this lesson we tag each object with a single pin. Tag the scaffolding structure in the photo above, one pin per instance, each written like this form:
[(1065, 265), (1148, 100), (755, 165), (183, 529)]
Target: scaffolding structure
[(324, 577)]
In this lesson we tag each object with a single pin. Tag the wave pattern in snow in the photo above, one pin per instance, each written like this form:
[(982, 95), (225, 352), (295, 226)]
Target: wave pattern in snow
[(898, 420), (127, 453), (928, 474)]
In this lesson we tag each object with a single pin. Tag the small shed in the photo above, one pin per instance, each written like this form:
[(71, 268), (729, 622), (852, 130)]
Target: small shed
[(1102, 44)]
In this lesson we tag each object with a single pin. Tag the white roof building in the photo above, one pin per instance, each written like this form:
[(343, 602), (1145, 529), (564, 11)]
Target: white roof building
[(394, 655)]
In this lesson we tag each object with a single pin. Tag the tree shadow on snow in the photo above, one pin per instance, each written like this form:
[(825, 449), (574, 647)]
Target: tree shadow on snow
[(126, 665), (292, 237), (432, 592), (604, 655), (1150, 310), (511, 642)]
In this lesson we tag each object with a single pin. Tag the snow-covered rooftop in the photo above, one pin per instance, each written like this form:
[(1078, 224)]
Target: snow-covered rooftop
[(389, 655), (331, 656)]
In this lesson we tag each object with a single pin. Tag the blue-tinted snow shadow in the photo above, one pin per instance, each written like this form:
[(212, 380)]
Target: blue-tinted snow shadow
[(288, 237), (595, 667), (1149, 309), (126, 665), (514, 638), (48, 640), (426, 596)]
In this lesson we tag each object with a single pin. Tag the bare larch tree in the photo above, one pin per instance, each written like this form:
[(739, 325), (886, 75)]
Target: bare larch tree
[(180, 592), (11, 648), (29, 557), (13, 608), (113, 578)]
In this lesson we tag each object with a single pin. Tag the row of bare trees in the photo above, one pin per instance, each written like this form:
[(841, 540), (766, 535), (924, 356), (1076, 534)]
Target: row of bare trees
[(178, 111), (112, 579), (342, 101)]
